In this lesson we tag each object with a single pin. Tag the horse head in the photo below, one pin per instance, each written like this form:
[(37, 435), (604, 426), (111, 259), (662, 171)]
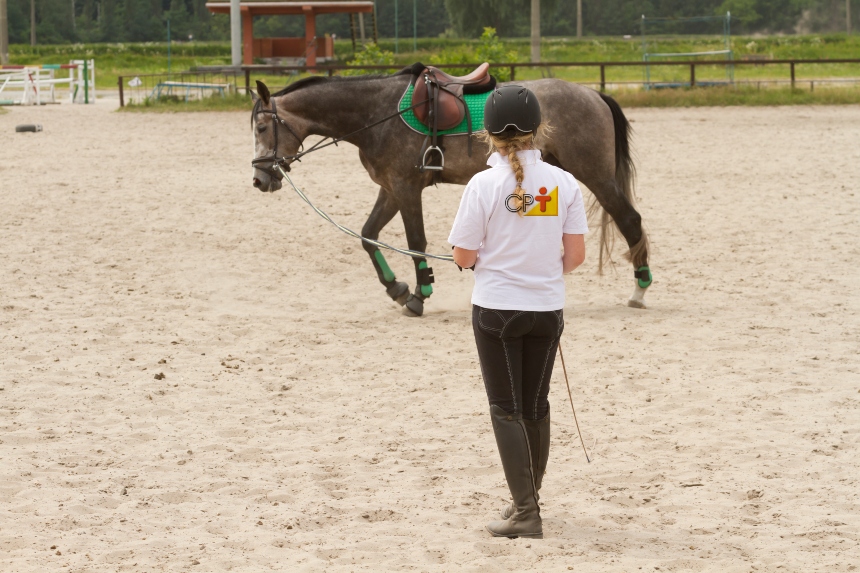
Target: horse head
[(276, 136)]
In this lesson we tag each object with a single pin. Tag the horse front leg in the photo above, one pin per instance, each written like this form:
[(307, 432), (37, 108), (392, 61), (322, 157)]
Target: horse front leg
[(616, 205), (383, 211), (413, 222)]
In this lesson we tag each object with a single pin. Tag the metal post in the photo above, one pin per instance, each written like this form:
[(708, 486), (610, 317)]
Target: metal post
[(792, 75), (4, 34), (396, 29), (647, 69), (513, 70), (848, 17), (168, 49), (602, 78), (692, 75), (121, 95), (32, 22), (578, 18), (247, 81), (361, 27), (414, 25), (235, 33), (535, 30)]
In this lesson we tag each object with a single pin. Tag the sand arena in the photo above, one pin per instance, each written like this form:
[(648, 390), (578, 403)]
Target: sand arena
[(195, 376)]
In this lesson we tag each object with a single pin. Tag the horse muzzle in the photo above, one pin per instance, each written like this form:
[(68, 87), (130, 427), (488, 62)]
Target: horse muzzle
[(267, 179), (269, 185)]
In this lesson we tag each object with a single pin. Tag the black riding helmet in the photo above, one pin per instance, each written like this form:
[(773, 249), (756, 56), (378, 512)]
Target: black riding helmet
[(511, 107)]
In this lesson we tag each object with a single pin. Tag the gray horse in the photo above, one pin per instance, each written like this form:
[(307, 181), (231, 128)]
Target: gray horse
[(590, 139)]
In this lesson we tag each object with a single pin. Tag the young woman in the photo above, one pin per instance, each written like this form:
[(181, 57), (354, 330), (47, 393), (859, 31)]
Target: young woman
[(511, 221)]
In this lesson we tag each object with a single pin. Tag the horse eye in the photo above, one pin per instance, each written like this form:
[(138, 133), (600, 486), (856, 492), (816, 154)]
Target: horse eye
[(261, 128)]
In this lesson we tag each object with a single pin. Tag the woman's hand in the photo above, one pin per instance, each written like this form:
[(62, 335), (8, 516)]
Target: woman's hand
[(574, 252), (465, 258)]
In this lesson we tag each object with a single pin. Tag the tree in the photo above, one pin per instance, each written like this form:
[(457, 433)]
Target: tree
[(470, 17)]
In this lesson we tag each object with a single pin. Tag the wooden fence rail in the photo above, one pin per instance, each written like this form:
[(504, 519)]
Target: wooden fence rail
[(330, 70)]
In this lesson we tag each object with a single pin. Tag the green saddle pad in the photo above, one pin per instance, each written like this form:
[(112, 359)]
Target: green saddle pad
[(475, 102)]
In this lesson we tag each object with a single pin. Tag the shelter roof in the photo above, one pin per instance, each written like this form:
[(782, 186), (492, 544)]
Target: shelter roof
[(271, 8)]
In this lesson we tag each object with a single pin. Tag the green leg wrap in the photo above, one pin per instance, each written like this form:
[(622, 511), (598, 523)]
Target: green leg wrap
[(643, 276), (387, 273), (426, 290)]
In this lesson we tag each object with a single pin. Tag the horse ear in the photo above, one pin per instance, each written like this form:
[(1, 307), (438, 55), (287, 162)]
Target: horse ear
[(263, 91), (254, 96)]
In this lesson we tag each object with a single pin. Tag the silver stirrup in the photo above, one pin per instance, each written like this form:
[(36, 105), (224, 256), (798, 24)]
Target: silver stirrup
[(440, 167)]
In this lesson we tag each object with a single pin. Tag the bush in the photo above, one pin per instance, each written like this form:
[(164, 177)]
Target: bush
[(371, 55), (489, 49)]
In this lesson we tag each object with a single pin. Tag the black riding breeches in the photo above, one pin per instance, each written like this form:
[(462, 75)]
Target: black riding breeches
[(517, 349)]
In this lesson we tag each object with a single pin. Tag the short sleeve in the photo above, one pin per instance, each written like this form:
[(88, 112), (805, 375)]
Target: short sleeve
[(575, 221), (470, 224)]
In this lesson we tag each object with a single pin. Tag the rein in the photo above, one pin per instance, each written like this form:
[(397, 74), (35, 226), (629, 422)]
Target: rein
[(351, 233), (285, 161)]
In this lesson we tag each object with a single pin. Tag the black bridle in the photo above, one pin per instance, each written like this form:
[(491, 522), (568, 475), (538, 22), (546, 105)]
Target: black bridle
[(272, 159), (284, 162)]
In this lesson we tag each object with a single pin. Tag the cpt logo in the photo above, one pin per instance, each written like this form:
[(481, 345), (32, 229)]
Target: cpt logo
[(544, 204)]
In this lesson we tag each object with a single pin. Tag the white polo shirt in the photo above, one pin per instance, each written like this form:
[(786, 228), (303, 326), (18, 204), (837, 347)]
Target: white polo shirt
[(519, 257)]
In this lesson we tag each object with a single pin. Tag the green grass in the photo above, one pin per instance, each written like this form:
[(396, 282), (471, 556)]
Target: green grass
[(129, 60), (113, 60), (232, 102), (608, 49)]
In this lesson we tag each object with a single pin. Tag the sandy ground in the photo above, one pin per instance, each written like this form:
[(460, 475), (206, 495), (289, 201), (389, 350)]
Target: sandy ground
[(303, 424)]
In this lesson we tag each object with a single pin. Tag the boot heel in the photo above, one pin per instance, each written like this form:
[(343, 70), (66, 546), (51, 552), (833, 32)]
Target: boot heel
[(515, 535), (533, 536)]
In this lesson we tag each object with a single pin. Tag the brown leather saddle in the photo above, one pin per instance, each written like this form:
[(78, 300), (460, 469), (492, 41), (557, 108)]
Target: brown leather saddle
[(439, 104)]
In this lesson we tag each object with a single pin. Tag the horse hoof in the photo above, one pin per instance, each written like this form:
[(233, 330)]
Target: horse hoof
[(633, 303), (414, 306), (399, 292)]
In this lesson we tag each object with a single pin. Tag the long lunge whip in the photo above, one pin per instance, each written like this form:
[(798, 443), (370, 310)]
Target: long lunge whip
[(564, 368)]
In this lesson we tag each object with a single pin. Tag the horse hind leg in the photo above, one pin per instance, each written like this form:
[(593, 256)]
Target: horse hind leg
[(617, 208), (383, 211)]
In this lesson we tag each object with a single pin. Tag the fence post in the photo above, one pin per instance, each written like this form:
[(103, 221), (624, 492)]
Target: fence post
[(792, 75), (121, 98), (513, 72), (692, 75), (602, 78), (247, 81)]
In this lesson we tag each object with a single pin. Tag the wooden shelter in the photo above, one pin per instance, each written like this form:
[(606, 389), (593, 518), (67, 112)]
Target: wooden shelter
[(310, 47)]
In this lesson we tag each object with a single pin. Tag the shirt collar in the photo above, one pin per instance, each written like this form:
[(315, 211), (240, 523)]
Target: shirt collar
[(527, 157)]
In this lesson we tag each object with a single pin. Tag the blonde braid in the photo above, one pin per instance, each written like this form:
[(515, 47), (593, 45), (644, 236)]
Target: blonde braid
[(510, 146), (518, 144)]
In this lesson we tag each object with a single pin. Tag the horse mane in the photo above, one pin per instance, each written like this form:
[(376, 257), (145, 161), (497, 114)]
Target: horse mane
[(314, 80)]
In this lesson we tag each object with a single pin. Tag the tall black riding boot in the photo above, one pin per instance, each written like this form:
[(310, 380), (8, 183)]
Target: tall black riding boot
[(513, 443), (538, 434)]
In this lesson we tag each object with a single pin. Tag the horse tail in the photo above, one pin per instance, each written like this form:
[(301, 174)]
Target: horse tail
[(625, 178)]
